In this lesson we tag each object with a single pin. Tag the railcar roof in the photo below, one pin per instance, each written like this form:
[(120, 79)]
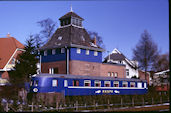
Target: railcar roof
[(86, 77)]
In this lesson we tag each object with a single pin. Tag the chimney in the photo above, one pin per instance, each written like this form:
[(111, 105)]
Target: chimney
[(94, 40), (8, 35)]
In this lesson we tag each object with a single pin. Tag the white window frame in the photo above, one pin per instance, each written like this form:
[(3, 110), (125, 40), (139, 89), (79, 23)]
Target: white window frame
[(45, 53), (107, 82), (139, 84), (98, 82), (78, 50), (116, 74), (53, 51), (109, 74), (132, 83), (87, 52), (145, 85), (95, 53), (125, 83), (65, 83), (51, 70), (115, 82), (54, 83), (87, 81), (112, 74), (62, 50)]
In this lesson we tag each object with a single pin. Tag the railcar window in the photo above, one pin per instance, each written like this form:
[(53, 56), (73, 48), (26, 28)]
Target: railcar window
[(145, 85), (124, 84), (35, 83), (54, 83), (107, 83), (97, 83), (116, 84), (87, 83), (132, 84), (75, 83), (139, 85), (65, 83)]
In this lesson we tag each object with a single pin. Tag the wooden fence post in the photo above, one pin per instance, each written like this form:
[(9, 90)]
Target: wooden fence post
[(121, 102), (132, 101), (108, 104), (32, 107), (57, 105), (76, 105), (143, 101), (161, 99), (152, 100)]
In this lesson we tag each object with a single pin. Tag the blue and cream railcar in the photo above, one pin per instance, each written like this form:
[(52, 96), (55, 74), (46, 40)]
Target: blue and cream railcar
[(86, 85)]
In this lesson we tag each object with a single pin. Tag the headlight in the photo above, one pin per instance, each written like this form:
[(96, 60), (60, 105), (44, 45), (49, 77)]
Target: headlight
[(35, 90)]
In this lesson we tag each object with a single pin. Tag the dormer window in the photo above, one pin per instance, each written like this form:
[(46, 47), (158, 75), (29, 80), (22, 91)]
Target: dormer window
[(53, 51), (62, 50), (60, 38), (45, 53)]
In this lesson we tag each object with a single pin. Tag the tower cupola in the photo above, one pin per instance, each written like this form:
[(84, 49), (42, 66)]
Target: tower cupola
[(71, 18)]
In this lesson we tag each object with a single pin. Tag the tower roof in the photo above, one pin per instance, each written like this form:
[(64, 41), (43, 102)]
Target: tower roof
[(70, 36), (70, 14)]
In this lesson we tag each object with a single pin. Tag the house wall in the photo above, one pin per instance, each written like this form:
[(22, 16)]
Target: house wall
[(105, 68), (84, 68), (142, 76), (83, 57), (132, 71), (61, 65)]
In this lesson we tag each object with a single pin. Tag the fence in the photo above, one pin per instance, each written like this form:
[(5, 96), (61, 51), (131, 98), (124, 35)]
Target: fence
[(81, 106)]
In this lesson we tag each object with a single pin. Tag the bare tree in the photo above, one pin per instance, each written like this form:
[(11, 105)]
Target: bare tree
[(99, 39), (48, 27), (145, 52), (161, 63)]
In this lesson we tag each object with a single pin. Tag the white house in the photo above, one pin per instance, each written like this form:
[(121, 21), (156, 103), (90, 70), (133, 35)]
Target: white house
[(118, 58)]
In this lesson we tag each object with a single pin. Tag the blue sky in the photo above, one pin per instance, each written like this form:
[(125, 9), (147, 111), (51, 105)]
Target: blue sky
[(119, 22)]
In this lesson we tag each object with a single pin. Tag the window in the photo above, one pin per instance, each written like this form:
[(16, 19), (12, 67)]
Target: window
[(116, 74), (60, 38), (53, 51), (87, 52), (62, 50), (87, 83), (78, 50), (51, 71), (145, 85), (116, 84), (75, 83), (112, 74), (65, 83), (45, 53), (54, 83), (107, 83), (97, 83), (13, 61), (124, 84), (56, 70), (127, 72), (95, 53), (139, 85), (109, 74), (132, 84), (35, 83)]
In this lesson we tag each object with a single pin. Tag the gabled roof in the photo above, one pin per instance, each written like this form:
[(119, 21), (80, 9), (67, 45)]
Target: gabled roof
[(7, 48), (117, 55), (70, 36), (70, 14)]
